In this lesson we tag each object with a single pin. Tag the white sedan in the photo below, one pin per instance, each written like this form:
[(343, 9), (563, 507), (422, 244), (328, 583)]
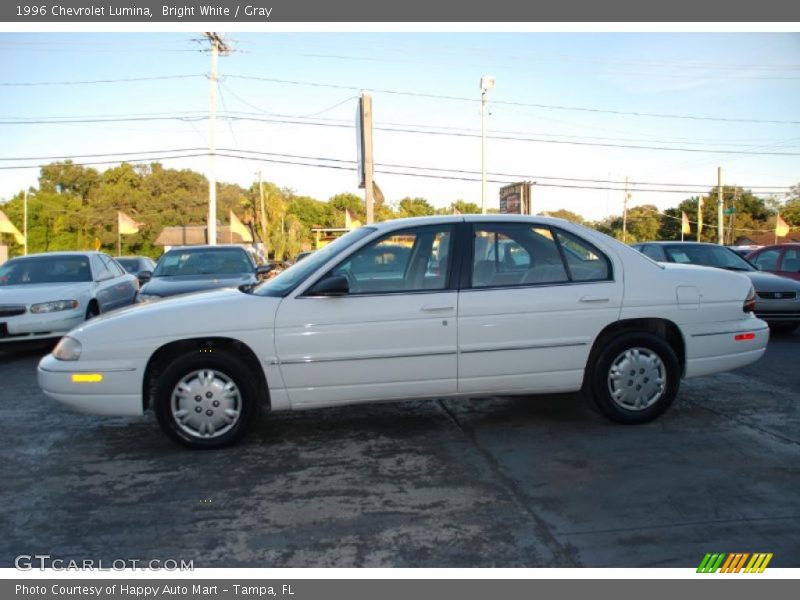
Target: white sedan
[(46, 295), (417, 308)]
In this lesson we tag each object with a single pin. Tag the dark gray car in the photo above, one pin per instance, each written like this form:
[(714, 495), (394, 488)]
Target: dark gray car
[(777, 298), (136, 265), (197, 268)]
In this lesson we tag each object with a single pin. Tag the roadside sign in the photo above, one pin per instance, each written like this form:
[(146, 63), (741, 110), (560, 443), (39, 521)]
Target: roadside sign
[(97, 243)]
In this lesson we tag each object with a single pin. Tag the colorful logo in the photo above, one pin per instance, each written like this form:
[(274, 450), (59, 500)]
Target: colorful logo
[(735, 562)]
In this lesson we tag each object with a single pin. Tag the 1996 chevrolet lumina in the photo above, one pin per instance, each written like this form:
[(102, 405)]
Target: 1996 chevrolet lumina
[(417, 308)]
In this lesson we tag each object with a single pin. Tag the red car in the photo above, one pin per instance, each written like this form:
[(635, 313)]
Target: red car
[(781, 259)]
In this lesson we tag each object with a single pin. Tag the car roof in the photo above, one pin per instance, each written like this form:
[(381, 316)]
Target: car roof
[(678, 243), (59, 253), (440, 219), (207, 247)]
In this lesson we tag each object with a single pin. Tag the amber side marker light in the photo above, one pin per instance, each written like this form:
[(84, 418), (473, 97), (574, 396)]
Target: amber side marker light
[(741, 337), (87, 377)]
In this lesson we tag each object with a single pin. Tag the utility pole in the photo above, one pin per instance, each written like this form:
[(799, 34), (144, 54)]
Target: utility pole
[(25, 221), (625, 213), (699, 216), (218, 46), (487, 83), (720, 209), (366, 163), (263, 216)]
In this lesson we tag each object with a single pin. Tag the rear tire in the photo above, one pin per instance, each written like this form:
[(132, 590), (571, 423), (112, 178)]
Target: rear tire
[(634, 378), (205, 399)]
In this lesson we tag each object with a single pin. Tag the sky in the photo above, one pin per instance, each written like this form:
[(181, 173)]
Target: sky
[(558, 95)]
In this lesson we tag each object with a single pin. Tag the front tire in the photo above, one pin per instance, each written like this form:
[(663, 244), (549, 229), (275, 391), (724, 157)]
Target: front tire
[(205, 399), (92, 310), (634, 378)]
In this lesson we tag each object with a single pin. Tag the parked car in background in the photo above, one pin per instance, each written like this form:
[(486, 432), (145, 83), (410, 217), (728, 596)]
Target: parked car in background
[(366, 318), (777, 298), (136, 265), (781, 259), (743, 251), (191, 269), (46, 295), (303, 255)]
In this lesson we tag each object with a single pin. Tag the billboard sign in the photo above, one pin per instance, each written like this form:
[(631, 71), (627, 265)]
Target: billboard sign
[(515, 199)]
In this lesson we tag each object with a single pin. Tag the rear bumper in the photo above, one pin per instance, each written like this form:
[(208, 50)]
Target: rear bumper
[(725, 346)]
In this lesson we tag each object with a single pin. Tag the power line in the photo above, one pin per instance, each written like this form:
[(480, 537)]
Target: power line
[(514, 103), (142, 155), (91, 82), (466, 134)]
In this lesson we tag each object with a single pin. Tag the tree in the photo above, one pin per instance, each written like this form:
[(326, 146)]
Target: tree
[(462, 206), (414, 207), (565, 214)]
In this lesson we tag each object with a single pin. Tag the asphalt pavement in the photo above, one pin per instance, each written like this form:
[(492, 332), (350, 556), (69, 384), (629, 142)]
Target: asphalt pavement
[(502, 482)]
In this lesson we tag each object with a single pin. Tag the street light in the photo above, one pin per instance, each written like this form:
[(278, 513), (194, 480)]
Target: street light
[(487, 83)]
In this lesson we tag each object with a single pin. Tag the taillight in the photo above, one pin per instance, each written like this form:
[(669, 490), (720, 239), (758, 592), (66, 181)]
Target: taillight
[(750, 301)]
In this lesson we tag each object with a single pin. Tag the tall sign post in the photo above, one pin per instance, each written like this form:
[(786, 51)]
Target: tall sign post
[(365, 160)]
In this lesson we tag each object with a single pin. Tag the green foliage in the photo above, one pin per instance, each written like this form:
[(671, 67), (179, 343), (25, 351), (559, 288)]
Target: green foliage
[(414, 207), (75, 205), (562, 213)]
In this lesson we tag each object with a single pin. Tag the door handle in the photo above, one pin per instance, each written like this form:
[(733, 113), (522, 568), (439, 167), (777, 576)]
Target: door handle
[(594, 299), (434, 308)]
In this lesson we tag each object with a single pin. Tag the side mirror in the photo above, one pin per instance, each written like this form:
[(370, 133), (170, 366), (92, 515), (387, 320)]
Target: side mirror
[(335, 285), (263, 270), (145, 276)]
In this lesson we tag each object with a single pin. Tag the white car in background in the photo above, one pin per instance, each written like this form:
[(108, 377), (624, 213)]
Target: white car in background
[(46, 295), (417, 308)]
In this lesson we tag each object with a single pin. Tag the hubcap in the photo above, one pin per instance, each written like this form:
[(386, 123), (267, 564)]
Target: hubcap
[(637, 379), (206, 404)]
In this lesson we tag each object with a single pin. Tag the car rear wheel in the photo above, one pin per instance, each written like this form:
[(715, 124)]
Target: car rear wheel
[(635, 377), (205, 399)]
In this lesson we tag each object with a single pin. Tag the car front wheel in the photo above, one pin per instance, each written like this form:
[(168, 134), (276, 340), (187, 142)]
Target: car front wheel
[(635, 377), (205, 399)]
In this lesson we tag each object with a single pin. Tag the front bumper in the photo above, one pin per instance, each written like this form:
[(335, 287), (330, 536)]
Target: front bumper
[(785, 310), (119, 392), (45, 325)]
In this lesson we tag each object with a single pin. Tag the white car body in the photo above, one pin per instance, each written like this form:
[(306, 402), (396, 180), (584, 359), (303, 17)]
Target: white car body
[(326, 351), (20, 323)]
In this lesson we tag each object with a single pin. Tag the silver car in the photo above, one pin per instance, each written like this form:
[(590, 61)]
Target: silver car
[(46, 295)]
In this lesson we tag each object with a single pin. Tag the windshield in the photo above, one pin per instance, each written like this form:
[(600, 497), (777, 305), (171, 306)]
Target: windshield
[(131, 265), (294, 275), (707, 255), (45, 269), (203, 261)]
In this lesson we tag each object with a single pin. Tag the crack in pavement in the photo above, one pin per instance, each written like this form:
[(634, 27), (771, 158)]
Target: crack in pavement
[(519, 498)]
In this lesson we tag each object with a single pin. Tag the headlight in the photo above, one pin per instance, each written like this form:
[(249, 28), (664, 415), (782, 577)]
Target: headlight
[(68, 348), (146, 297), (46, 307)]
